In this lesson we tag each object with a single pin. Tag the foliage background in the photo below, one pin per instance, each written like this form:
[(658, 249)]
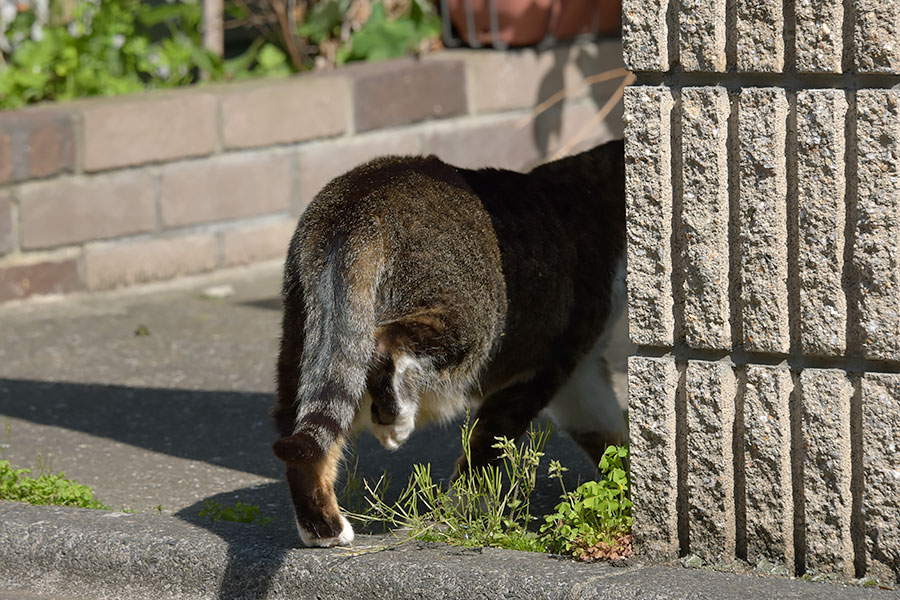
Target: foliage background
[(64, 49)]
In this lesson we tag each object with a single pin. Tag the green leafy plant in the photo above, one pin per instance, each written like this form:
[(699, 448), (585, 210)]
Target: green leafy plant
[(22, 486), (239, 513), (112, 47), (488, 506), (594, 521), (381, 38)]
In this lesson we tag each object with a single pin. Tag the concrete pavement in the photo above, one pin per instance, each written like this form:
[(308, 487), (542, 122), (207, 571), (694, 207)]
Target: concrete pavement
[(158, 398)]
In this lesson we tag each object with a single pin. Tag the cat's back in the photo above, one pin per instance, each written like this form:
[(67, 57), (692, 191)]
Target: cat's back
[(420, 215)]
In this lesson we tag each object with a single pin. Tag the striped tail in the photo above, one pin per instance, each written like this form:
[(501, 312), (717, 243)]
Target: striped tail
[(339, 291)]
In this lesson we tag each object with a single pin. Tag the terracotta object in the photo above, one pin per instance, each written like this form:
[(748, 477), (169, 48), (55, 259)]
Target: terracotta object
[(527, 22)]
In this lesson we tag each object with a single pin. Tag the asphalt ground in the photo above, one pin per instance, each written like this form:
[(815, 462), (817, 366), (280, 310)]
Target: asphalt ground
[(158, 398)]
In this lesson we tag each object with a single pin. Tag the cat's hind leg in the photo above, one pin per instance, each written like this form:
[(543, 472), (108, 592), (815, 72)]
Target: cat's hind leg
[(587, 409), (416, 355)]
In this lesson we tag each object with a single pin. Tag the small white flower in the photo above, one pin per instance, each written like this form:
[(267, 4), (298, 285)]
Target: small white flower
[(8, 12), (37, 32), (118, 40)]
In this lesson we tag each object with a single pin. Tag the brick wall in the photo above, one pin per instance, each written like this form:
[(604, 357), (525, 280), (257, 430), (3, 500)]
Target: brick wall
[(763, 155), (101, 193)]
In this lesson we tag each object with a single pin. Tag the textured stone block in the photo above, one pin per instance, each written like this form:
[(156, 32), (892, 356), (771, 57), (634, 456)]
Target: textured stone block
[(254, 243), (35, 278), (148, 128), (763, 221), (877, 36), (652, 386), (282, 112), (820, 210), (760, 36), (320, 162), (876, 252), (77, 209), (826, 395), (767, 465), (7, 242), (710, 391), (648, 188), (881, 473), (109, 265), (705, 217), (645, 35), (819, 37), (404, 91), (701, 25), (232, 186)]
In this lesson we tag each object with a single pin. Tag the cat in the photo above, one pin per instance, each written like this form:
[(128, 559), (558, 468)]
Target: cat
[(412, 288)]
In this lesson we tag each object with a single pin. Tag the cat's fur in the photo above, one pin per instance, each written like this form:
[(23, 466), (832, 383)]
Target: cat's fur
[(413, 287)]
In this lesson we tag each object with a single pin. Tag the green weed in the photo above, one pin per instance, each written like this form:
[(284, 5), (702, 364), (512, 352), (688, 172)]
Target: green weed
[(490, 506), (594, 521), (239, 513), (487, 506), (22, 486)]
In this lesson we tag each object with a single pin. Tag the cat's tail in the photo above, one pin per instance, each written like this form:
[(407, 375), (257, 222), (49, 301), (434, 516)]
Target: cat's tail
[(338, 278), (339, 290)]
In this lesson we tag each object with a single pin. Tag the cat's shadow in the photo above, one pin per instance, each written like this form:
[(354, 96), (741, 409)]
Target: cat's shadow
[(233, 430)]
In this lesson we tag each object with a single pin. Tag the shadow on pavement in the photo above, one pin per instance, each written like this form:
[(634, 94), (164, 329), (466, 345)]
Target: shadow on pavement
[(233, 430)]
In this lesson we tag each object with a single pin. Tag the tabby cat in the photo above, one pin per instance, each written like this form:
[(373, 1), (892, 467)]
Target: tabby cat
[(413, 288)]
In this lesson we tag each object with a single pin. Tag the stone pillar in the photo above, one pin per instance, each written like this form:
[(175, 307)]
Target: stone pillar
[(763, 194)]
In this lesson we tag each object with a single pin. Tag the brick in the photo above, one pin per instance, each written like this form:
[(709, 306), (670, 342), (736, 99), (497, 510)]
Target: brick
[(877, 36), (701, 26), (109, 265), (645, 35), (257, 242), (652, 387), (503, 141), (767, 465), (763, 221), (36, 278), (404, 91), (881, 474), (760, 36), (148, 128), (225, 187), (648, 190), (710, 391), (819, 38), (282, 112), (36, 142), (875, 253), (820, 223), (320, 162), (705, 217), (826, 395), (7, 241), (6, 165), (521, 78), (51, 146), (77, 209), (495, 142)]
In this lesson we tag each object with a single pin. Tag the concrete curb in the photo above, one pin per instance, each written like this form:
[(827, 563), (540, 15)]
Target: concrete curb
[(99, 555)]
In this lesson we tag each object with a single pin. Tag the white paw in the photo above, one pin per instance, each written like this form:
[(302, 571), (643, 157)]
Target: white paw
[(343, 539), (392, 436)]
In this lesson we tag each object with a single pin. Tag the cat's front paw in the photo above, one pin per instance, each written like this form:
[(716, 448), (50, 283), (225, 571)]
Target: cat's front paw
[(344, 538), (392, 436)]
